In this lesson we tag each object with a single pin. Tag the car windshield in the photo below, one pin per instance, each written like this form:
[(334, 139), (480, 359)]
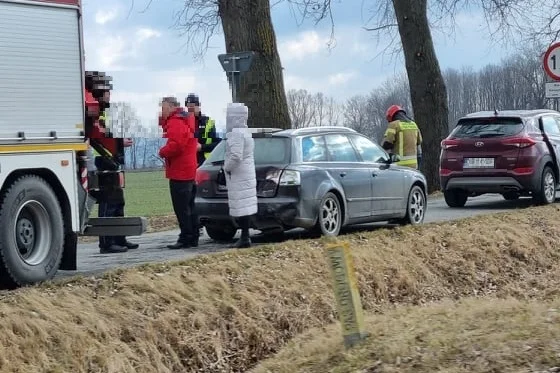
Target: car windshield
[(268, 150), (487, 127)]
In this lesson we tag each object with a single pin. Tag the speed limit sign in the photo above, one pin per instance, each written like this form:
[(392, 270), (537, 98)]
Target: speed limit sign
[(552, 61)]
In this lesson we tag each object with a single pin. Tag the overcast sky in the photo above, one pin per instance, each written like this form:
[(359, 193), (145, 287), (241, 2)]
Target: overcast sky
[(144, 55)]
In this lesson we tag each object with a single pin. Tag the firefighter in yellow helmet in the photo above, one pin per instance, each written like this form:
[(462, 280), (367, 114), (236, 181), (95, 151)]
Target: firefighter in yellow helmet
[(402, 137)]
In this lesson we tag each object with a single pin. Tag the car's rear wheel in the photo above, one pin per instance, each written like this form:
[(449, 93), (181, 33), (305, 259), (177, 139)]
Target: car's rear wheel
[(455, 197), (223, 232), (547, 191), (329, 221), (416, 206), (511, 196)]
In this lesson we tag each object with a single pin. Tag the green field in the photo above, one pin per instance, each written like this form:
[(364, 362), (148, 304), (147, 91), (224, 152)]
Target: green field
[(146, 194)]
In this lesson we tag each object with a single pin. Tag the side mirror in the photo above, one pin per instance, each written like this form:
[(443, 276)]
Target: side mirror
[(394, 158)]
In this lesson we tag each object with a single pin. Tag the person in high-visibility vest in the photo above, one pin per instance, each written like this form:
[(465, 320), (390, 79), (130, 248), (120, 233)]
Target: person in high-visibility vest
[(402, 137), (205, 129)]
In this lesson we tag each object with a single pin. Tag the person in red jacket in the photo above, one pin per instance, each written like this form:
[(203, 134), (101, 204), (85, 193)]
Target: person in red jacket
[(179, 154)]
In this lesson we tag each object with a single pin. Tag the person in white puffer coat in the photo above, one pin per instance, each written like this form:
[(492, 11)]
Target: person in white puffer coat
[(239, 167)]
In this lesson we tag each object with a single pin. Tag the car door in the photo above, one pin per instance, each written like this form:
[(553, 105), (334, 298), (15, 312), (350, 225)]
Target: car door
[(551, 130), (353, 175), (388, 194)]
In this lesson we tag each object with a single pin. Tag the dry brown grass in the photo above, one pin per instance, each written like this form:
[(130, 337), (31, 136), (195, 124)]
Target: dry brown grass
[(225, 312), (472, 335)]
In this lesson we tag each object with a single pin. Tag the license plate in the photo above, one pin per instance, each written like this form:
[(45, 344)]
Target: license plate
[(478, 163), (222, 188)]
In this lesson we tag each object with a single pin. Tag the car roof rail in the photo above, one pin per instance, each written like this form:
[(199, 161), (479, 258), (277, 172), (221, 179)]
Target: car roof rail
[(303, 130), (265, 130)]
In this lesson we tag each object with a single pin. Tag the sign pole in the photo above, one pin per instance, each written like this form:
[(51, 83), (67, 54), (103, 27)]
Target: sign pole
[(347, 295), (551, 64), (236, 64)]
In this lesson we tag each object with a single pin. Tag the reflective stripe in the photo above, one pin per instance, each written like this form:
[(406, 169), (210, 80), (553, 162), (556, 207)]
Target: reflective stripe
[(408, 157), (408, 126), (208, 140), (401, 143), (390, 131), (413, 163)]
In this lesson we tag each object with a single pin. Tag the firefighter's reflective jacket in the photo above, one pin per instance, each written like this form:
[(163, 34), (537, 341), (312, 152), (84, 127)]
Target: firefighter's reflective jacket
[(405, 137)]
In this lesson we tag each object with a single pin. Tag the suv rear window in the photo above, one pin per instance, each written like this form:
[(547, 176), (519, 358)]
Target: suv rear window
[(487, 127), (268, 150)]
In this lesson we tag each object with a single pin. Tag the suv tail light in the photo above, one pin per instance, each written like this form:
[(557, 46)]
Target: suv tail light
[(520, 142), (201, 176), (449, 143)]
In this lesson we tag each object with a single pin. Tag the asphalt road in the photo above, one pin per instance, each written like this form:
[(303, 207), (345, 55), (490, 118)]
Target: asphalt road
[(153, 245)]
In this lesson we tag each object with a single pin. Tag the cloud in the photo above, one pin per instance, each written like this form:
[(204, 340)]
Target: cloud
[(146, 33), (103, 16), (302, 46), (109, 50), (341, 78)]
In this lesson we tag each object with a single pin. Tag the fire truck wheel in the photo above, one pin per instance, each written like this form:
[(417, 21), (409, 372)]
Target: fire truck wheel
[(31, 232)]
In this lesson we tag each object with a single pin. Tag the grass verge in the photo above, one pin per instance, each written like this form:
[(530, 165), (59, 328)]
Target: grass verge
[(226, 312), (472, 335)]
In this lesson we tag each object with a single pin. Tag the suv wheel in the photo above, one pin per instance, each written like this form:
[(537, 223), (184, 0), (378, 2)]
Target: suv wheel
[(221, 233), (547, 192), (329, 221), (455, 197)]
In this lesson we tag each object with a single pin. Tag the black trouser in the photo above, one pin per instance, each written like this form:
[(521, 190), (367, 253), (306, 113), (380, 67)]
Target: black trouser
[(110, 210), (244, 223), (111, 205), (182, 198)]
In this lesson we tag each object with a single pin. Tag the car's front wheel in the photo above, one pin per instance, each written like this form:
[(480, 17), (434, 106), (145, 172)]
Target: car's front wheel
[(547, 192), (455, 197), (222, 233), (329, 221)]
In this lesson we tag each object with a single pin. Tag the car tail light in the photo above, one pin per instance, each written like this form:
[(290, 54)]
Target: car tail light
[(274, 178), (290, 177), (201, 176), (523, 170), (444, 172), (449, 143), (520, 142)]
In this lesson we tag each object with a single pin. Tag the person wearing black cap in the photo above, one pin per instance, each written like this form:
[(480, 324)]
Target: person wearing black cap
[(205, 129)]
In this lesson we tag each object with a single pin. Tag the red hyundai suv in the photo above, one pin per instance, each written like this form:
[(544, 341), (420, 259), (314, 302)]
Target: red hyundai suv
[(513, 153)]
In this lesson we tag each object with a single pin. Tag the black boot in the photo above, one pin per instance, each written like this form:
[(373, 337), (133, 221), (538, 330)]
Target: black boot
[(126, 243), (112, 249), (244, 241)]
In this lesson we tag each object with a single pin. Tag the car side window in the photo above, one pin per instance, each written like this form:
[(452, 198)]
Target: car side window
[(313, 149), (550, 126), (557, 117), (340, 149), (368, 150)]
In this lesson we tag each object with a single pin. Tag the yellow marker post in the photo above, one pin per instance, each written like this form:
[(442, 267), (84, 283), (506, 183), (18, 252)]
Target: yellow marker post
[(346, 292)]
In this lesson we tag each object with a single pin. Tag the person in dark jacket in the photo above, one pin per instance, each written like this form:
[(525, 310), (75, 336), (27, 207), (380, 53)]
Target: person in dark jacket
[(205, 129), (179, 154)]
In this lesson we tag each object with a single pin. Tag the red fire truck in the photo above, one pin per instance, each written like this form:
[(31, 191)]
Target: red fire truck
[(44, 195)]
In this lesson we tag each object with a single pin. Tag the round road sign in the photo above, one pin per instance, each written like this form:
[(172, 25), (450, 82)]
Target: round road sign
[(552, 61)]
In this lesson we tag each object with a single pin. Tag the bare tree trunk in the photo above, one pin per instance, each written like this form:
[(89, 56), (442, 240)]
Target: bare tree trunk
[(247, 26), (427, 87)]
